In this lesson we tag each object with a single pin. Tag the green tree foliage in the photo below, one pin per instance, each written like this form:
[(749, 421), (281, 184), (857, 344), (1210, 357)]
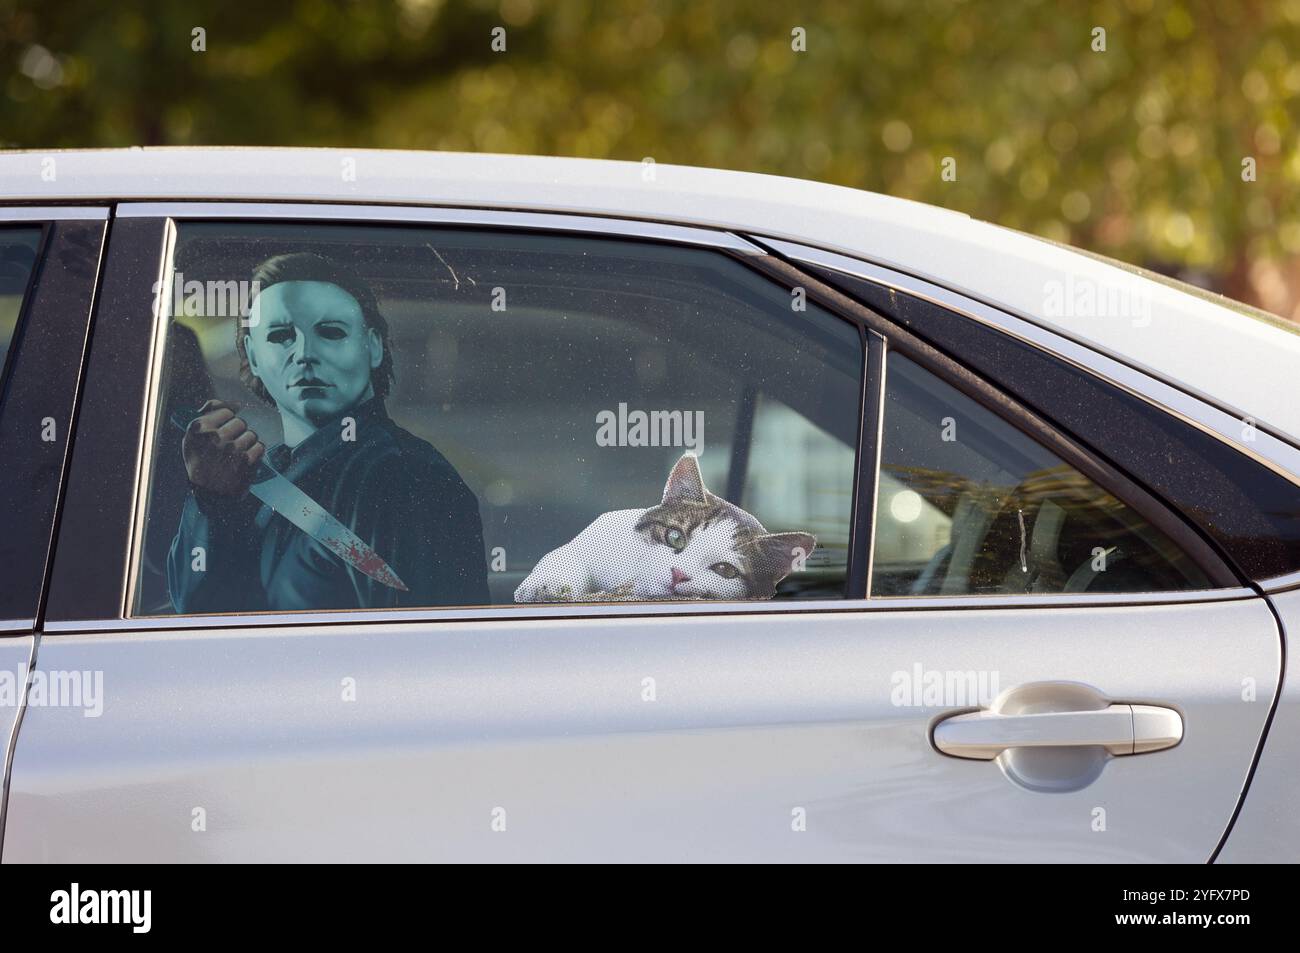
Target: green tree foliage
[(1135, 151)]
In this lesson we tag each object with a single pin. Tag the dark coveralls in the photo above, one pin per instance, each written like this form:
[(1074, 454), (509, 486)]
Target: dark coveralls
[(391, 488)]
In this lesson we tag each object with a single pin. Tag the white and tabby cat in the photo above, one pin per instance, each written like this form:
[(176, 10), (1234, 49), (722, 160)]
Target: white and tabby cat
[(693, 545)]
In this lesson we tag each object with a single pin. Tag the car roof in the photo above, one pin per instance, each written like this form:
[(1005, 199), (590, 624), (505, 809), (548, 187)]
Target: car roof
[(1208, 347)]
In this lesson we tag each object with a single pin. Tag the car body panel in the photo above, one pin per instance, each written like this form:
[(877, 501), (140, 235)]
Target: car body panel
[(1184, 338), (636, 733), (1268, 828), (751, 719), (15, 656)]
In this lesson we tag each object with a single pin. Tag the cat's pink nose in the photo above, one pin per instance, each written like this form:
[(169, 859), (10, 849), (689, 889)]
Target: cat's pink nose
[(679, 576)]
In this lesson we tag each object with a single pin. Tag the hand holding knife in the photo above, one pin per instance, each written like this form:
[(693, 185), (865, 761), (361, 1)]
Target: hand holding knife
[(224, 456)]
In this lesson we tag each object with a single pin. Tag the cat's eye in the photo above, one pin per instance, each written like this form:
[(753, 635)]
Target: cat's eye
[(676, 539), (725, 570)]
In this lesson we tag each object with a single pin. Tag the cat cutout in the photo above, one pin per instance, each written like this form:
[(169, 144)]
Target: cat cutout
[(692, 545)]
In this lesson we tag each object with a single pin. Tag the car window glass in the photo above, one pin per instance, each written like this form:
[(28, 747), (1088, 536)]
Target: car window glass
[(17, 259), (453, 417), (803, 476), (968, 504)]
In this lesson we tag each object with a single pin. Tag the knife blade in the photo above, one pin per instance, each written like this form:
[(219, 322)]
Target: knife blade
[(283, 495)]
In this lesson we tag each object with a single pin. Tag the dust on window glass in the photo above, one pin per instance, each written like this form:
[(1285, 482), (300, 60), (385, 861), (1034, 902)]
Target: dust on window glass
[(388, 416), (968, 504)]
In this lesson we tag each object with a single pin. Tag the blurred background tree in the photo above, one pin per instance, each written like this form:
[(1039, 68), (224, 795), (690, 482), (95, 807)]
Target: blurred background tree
[(1135, 151)]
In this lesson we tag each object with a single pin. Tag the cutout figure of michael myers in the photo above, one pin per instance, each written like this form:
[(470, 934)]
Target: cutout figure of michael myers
[(317, 348)]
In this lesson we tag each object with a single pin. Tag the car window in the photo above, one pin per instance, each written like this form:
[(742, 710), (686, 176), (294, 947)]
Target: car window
[(17, 259), (458, 417), (968, 504)]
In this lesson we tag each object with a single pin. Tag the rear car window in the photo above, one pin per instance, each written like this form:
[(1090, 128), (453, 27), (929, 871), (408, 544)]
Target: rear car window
[(967, 504), (447, 417)]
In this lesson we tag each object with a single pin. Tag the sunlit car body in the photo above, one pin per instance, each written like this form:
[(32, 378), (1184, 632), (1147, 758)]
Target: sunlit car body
[(793, 729)]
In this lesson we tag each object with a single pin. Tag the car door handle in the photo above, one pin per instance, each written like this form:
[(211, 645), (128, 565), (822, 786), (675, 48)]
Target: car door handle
[(1120, 729)]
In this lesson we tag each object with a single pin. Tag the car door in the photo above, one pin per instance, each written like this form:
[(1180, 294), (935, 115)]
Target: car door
[(49, 258), (564, 367)]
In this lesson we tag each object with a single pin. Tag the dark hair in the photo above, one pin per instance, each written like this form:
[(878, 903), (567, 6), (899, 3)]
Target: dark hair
[(308, 266)]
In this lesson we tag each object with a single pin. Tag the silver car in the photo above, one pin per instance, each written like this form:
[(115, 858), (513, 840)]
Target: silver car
[(387, 506)]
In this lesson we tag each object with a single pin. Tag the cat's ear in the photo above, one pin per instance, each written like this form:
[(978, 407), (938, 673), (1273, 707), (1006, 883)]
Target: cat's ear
[(786, 551), (685, 482)]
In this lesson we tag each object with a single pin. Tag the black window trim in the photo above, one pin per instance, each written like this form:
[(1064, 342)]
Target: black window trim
[(41, 379)]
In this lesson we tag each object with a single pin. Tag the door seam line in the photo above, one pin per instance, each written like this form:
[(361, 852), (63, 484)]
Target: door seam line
[(12, 747), (1268, 724)]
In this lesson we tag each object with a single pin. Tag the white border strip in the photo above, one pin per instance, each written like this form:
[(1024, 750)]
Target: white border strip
[(408, 214), (51, 213), (678, 610)]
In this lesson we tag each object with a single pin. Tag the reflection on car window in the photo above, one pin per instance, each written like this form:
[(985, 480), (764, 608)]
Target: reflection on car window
[(968, 504), (376, 417), (17, 259)]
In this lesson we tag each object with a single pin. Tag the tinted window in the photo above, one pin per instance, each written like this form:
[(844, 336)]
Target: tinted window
[(565, 419), (17, 259), (968, 504)]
